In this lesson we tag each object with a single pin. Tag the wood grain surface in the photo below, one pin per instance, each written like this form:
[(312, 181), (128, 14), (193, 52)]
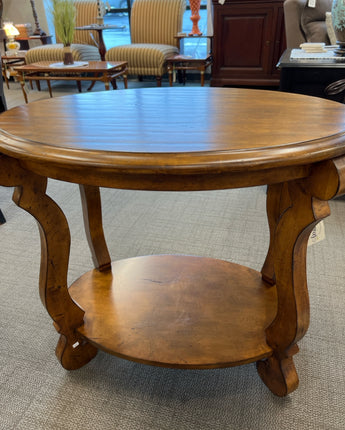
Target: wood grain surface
[(214, 128), (177, 311)]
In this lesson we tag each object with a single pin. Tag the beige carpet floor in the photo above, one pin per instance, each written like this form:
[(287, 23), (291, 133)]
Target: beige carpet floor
[(111, 393)]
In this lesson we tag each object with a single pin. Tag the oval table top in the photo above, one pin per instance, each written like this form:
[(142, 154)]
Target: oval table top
[(175, 131)]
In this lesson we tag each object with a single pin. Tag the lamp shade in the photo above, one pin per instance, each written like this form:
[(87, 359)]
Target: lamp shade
[(10, 29)]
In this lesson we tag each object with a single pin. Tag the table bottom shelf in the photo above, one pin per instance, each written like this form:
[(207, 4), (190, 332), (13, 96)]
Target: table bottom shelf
[(177, 311)]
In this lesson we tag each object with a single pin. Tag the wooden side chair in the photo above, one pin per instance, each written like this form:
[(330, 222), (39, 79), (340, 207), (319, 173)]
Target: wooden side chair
[(154, 25), (83, 47)]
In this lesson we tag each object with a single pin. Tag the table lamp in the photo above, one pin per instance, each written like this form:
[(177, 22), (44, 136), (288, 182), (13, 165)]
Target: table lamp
[(11, 31)]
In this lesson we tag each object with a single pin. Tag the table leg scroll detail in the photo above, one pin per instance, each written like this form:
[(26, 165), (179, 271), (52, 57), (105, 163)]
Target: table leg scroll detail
[(278, 201), (72, 351), (279, 375), (291, 220), (30, 195)]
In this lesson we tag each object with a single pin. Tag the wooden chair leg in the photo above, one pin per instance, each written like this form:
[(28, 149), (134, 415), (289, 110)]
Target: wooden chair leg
[(50, 89), (159, 81), (114, 84)]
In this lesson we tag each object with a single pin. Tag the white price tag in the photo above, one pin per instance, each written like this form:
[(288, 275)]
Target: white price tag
[(317, 234), (311, 3)]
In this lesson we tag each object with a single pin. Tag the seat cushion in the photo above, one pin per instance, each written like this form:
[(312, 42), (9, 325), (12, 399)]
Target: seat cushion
[(142, 58), (55, 53)]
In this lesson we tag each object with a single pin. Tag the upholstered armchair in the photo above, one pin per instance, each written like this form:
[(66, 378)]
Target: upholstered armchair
[(154, 23), (308, 24), (83, 47)]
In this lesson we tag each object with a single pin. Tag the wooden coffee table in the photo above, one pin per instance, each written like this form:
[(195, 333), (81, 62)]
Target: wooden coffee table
[(178, 310), (105, 71)]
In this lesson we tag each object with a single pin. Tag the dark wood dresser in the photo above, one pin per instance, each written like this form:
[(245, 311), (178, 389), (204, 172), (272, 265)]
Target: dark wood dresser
[(249, 38)]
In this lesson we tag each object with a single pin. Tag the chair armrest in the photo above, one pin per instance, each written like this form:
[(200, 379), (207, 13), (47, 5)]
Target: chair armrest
[(292, 15)]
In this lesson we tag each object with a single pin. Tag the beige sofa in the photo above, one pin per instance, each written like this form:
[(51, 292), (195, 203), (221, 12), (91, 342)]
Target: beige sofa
[(307, 24)]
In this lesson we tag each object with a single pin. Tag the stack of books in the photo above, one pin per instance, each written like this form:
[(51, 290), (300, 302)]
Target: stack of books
[(313, 47)]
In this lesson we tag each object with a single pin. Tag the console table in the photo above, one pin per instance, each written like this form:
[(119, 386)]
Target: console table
[(178, 310), (24, 41), (310, 76)]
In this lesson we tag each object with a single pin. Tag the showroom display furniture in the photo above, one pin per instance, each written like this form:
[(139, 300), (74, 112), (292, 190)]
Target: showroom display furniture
[(310, 76), (249, 38), (154, 25), (25, 41), (7, 64), (177, 310), (83, 47), (307, 24), (99, 28), (182, 63), (104, 71)]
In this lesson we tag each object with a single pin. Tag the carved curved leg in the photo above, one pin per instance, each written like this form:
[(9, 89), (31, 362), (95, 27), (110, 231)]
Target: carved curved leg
[(293, 210), (294, 220), (92, 213), (30, 194), (278, 201)]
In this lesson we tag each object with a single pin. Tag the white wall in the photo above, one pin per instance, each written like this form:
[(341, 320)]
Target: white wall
[(20, 12)]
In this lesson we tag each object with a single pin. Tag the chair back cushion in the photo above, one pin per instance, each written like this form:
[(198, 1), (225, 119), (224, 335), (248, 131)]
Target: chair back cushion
[(313, 21), (157, 21)]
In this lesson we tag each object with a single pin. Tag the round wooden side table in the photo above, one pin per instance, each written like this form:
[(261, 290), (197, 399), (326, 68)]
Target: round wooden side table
[(177, 310)]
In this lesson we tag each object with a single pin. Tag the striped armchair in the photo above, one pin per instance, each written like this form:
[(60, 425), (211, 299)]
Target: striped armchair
[(83, 47), (154, 23)]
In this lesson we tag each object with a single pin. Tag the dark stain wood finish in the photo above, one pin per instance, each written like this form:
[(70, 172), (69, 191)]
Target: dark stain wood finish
[(179, 311), (249, 38)]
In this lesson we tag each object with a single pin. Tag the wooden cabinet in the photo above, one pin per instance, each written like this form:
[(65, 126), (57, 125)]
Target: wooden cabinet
[(249, 38)]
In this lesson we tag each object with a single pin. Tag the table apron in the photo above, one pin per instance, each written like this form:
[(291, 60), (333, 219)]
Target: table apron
[(74, 77), (106, 177)]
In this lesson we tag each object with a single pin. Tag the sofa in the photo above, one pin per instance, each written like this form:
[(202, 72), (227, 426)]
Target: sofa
[(308, 24)]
